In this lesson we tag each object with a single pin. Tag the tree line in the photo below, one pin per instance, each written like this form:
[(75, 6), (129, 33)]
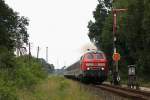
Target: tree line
[(17, 72), (133, 38)]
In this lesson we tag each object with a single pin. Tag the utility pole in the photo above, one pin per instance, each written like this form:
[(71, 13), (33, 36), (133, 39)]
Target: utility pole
[(47, 54), (38, 52), (29, 53), (17, 52), (17, 43), (116, 77), (29, 49)]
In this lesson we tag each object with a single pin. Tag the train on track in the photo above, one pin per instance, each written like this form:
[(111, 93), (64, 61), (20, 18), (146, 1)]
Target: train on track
[(91, 68)]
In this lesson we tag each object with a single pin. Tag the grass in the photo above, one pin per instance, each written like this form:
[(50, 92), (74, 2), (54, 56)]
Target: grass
[(56, 88)]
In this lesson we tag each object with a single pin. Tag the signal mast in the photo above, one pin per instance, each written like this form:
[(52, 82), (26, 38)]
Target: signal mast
[(116, 55)]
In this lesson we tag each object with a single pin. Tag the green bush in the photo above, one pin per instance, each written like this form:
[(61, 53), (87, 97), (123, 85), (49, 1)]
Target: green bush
[(7, 62), (7, 91), (19, 73), (29, 73)]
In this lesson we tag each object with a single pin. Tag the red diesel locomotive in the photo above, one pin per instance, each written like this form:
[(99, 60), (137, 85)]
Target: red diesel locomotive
[(92, 67)]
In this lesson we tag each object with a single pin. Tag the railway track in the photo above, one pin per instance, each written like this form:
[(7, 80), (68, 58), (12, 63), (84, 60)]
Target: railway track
[(131, 94), (125, 92)]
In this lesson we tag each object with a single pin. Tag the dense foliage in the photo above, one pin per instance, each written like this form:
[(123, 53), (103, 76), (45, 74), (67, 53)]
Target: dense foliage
[(16, 72), (28, 72), (133, 28), (25, 74), (13, 31)]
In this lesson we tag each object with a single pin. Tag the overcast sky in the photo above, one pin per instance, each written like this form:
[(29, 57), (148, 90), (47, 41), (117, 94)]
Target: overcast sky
[(60, 25)]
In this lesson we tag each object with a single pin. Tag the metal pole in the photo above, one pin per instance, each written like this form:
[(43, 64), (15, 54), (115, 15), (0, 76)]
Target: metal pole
[(29, 53), (38, 52), (47, 54), (115, 72), (29, 49)]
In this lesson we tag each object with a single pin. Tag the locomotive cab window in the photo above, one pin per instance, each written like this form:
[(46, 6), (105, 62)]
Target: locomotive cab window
[(99, 56), (89, 56)]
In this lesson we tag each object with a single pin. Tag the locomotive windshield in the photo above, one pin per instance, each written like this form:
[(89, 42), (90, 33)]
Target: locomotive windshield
[(89, 56), (94, 55), (99, 56)]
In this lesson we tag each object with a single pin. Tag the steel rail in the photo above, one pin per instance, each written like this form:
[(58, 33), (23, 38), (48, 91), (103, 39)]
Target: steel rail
[(125, 92)]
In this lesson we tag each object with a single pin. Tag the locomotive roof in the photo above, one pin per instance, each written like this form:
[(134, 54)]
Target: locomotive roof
[(94, 51)]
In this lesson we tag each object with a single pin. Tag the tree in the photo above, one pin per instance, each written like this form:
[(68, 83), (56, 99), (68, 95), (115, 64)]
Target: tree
[(95, 28), (13, 31), (133, 37), (48, 67)]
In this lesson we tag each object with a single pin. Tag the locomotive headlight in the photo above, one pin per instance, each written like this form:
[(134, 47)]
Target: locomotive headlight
[(103, 68), (88, 68)]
